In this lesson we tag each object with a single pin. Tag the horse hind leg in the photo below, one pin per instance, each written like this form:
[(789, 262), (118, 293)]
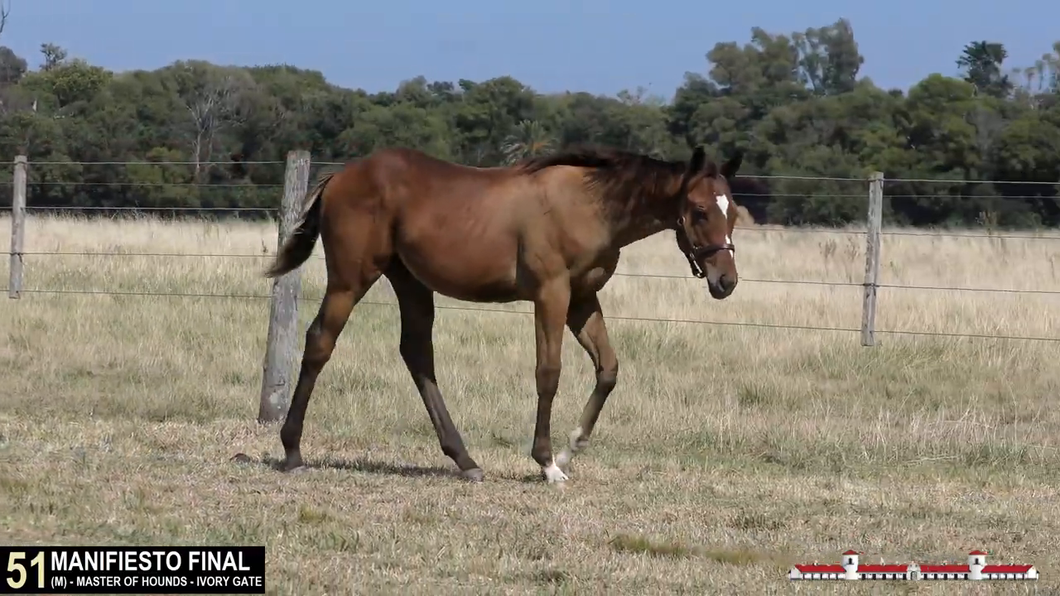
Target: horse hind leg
[(341, 295), (586, 320), (416, 303)]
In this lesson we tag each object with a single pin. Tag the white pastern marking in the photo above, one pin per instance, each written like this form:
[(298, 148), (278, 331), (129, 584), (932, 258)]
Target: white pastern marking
[(553, 474), (575, 444), (723, 202)]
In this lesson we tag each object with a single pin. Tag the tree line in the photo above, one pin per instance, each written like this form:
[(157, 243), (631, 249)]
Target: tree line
[(793, 103)]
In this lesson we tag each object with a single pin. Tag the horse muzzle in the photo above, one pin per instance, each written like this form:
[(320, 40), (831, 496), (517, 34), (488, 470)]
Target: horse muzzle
[(724, 285), (698, 254), (722, 288)]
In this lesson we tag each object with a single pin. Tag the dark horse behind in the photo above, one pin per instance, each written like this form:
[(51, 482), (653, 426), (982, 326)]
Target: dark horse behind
[(548, 231)]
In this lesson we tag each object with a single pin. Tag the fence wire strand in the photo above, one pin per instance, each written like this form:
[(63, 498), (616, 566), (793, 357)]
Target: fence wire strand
[(962, 182), (626, 274), (966, 235), (140, 208), (476, 309), (763, 229), (121, 183), (154, 163)]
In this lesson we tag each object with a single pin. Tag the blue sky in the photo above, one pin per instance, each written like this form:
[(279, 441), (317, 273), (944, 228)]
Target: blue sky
[(600, 46)]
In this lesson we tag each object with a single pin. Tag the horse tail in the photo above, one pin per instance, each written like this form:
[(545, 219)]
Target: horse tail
[(298, 248)]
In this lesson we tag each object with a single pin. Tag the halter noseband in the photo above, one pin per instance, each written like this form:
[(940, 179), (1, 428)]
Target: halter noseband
[(698, 252)]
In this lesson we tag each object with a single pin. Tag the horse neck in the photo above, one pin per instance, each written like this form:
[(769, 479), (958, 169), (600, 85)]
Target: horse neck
[(637, 215)]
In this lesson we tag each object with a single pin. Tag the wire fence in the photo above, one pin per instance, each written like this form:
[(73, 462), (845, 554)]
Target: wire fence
[(203, 210), (869, 286), (610, 317), (620, 274)]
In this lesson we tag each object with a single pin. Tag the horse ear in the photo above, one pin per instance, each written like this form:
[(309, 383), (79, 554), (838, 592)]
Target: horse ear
[(729, 168), (699, 158)]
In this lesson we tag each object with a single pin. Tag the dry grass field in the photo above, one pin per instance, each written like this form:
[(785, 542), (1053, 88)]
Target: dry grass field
[(725, 454)]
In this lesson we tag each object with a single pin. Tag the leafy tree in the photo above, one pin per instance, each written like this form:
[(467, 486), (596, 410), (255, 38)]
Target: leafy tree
[(981, 62), (794, 103), (529, 139)]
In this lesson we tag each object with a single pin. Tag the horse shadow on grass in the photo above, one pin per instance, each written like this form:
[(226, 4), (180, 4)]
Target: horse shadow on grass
[(358, 464), (363, 464)]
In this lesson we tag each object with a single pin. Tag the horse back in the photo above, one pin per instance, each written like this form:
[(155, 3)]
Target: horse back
[(477, 233), (545, 211)]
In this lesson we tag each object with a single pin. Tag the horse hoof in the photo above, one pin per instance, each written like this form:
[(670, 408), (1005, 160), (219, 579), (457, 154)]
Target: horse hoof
[(292, 460), (472, 475), (553, 474), (299, 469), (292, 465)]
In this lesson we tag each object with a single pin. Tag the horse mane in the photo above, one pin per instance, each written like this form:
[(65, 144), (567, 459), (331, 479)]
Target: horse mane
[(613, 169)]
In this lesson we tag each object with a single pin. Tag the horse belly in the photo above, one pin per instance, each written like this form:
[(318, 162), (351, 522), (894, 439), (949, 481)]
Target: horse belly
[(473, 272)]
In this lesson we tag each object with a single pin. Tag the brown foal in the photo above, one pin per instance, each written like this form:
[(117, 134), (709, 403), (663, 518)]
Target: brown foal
[(548, 231)]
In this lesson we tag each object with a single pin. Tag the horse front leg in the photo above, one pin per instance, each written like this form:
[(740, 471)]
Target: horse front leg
[(550, 315), (586, 321)]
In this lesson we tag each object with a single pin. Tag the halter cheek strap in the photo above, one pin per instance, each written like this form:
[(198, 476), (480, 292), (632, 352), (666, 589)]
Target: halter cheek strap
[(696, 252)]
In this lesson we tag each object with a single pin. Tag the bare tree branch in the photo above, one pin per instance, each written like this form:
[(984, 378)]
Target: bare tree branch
[(210, 110), (4, 12)]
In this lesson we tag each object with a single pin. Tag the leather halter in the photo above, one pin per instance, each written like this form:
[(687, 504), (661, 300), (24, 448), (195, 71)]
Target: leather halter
[(698, 252)]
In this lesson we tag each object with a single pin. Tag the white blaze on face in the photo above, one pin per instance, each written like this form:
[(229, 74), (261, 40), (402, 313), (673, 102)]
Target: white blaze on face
[(723, 203)]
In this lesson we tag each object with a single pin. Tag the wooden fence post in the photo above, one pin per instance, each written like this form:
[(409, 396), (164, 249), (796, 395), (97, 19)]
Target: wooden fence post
[(282, 346), (872, 259), (18, 228)]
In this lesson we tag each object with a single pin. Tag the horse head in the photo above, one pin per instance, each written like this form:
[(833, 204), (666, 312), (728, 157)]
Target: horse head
[(705, 221)]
